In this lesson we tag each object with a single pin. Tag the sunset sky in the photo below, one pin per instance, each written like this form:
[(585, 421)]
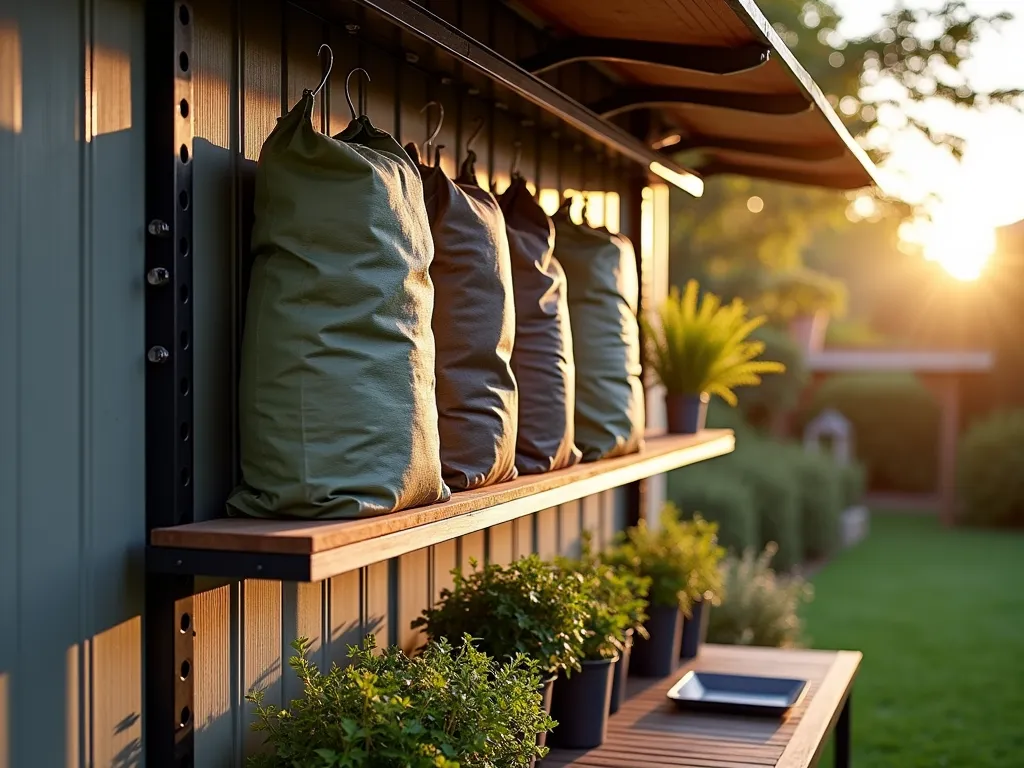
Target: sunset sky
[(987, 189)]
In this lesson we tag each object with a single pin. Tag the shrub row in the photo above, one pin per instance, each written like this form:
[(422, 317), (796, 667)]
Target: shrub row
[(771, 492), (990, 472)]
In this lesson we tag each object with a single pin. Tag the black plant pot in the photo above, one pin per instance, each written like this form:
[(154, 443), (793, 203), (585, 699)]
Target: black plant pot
[(580, 705), (687, 414), (658, 656), (695, 630), (547, 691), (620, 674)]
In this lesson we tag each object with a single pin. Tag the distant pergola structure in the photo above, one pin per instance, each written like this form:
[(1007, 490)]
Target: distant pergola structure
[(941, 371)]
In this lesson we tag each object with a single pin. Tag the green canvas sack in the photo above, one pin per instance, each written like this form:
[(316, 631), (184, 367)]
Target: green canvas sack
[(542, 359), (474, 327), (600, 270), (336, 394)]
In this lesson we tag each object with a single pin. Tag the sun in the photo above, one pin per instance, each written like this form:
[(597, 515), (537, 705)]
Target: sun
[(962, 246)]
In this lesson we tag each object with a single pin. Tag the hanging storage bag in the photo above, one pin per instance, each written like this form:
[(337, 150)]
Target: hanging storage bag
[(603, 293), (336, 395), (542, 359), (474, 327)]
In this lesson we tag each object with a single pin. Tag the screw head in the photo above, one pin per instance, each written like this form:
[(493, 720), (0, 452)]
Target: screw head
[(411, 57), (157, 276), (158, 228), (473, 91), (446, 80), (158, 354), (351, 28)]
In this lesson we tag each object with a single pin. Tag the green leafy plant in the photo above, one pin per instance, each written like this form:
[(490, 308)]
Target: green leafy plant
[(990, 482), (822, 494), (617, 601), (527, 607), (704, 348), (761, 608), (680, 558), (801, 291), (447, 708)]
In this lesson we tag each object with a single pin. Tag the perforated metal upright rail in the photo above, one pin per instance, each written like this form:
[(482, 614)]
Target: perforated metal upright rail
[(168, 354)]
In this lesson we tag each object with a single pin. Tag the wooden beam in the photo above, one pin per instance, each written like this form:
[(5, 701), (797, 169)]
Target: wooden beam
[(627, 99), (716, 60), (809, 152), (789, 175)]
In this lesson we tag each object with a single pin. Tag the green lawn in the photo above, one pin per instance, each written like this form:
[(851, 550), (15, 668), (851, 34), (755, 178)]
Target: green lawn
[(939, 616)]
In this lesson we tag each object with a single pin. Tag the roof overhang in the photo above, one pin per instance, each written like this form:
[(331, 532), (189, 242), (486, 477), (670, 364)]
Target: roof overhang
[(711, 78)]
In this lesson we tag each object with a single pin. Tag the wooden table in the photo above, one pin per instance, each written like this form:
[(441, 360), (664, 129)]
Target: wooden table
[(649, 732)]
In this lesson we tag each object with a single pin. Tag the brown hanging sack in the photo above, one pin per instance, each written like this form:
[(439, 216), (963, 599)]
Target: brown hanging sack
[(474, 328), (600, 269), (336, 394), (542, 359)]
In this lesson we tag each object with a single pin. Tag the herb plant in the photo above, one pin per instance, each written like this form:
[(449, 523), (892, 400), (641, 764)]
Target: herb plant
[(528, 607), (447, 708), (761, 607), (697, 348), (681, 559), (617, 602)]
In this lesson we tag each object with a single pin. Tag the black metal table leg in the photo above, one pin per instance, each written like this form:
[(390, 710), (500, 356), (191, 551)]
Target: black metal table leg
[(842, 736)]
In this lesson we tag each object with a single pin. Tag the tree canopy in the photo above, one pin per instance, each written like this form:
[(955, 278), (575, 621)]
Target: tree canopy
[(878, 84)]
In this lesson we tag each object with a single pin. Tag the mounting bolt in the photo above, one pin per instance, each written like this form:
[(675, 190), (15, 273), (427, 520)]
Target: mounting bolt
[(446, 80), (157, 276), (351, 28), (158, 228), (501, 105), (411, 57), (473, 91), (158, 354)]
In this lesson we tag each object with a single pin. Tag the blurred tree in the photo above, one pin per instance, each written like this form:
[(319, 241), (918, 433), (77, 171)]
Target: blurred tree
[(877, 84)]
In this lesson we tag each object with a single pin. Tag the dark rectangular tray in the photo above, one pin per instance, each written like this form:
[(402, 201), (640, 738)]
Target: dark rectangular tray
[(736, 694)]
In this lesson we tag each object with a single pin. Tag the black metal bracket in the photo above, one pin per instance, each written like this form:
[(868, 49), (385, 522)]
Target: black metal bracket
[(808, 152), (180, 561), (714, 60), (628, 99), (168, 284)]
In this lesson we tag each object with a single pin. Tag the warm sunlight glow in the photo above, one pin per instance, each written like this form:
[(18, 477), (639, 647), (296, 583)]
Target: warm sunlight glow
[(960, 246), (755, 204)]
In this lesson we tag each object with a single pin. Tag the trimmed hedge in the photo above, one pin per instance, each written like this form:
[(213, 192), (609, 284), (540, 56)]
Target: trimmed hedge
[(779, 392), (777, 498), (821, 500), (990, 471), (711, 491), (895, 424)]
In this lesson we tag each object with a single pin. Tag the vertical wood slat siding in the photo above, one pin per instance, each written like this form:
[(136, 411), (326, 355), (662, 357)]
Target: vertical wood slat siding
[(253, 59)]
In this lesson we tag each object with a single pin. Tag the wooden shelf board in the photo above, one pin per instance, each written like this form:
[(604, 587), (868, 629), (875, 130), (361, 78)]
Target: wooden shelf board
[(335, 546)]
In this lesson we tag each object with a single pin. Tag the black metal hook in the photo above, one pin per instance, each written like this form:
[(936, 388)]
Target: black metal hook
[(517, 155), (327, 74), (432, 135), (348, 89), (473, 136)]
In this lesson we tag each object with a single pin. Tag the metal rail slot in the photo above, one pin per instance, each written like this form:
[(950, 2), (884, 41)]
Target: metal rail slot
[(168, 359)]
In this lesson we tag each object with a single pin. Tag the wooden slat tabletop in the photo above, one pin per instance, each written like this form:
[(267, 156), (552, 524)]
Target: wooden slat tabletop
[(649, 732)]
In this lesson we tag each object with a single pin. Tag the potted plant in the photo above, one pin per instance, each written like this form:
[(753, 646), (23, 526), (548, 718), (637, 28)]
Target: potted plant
[(445, 708), (804, 300), (701, 349), (617, 604), (528, 607), (703, 558)]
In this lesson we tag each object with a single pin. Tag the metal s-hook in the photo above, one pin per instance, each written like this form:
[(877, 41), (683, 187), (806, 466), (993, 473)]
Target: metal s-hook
[(348, 89), (516, 157), (327, 74), (473, 136), (432, 135)]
